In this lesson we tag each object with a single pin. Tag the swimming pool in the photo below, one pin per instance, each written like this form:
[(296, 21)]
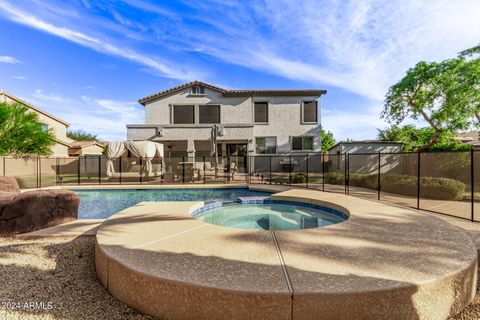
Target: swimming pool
[(271, 215), (101, 204)]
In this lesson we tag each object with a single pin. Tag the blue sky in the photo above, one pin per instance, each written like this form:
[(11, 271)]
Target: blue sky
[(88, 62)]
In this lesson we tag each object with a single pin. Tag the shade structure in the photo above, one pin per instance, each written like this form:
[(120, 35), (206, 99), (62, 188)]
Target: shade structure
[(146, 150)]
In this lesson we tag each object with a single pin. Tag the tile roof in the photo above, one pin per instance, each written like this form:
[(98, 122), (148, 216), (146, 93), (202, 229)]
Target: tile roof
[(83, 144), (233, 93)]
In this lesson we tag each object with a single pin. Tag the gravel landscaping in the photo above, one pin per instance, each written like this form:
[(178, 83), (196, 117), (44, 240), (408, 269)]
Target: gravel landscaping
[(56, 278), (60, 271)]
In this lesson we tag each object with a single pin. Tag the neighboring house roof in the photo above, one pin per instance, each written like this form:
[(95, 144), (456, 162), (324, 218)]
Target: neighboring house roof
[(467, 136), (232, 93), (84, 144), (11, 96), (365, 142)]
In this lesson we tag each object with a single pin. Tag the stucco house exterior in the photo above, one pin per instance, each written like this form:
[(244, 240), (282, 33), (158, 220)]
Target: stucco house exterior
[(363, 156), (85, 148), (249, 122), (58, 126), (365, 147)]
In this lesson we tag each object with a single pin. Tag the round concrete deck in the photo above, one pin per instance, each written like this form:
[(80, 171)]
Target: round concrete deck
[(384, 262)]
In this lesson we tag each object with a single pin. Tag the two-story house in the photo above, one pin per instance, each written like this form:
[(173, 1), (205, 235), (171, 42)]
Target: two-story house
[(249, 122)]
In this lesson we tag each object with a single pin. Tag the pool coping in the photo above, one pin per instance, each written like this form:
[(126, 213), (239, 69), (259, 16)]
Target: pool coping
[(401, 290)]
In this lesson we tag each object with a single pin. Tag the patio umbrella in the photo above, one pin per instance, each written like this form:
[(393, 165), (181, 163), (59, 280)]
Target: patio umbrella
[(213, 149)]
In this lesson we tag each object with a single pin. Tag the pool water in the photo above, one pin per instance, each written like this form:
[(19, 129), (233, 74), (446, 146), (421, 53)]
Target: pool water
[(101, 204), (270, 217)]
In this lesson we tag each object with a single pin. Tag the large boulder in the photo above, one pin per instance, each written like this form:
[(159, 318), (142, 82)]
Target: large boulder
[(34, 210)]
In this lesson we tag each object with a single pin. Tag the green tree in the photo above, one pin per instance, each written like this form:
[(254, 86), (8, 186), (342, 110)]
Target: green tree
[(81, 135), (328, 141), (414, 139), (22, 134), (446, 95)]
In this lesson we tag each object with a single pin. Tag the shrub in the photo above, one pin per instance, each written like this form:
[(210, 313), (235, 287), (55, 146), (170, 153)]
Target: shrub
[(334, 178), (299, 178), (430, 187)]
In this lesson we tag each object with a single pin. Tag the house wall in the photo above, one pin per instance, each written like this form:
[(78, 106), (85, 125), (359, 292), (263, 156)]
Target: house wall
[(366, 148), (236, 117), (363, 157), (92, 150)]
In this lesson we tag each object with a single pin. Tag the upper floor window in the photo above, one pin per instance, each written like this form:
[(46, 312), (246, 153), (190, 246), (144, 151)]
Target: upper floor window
[(198, 90), (302, 143), (310, 112), (261, 112), (209, 114), (183, 114), (44, 127), (266, 145)]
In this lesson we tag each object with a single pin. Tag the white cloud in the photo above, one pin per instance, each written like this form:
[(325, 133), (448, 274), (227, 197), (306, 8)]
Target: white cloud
[(8, 59), (19, 77), (105, 117), (97, 44), (361, 46)]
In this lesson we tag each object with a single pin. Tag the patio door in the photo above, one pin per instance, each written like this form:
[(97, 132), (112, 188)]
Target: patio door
[(237, 153)]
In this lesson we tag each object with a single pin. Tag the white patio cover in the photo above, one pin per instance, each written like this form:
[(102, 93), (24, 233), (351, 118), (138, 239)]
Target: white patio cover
[(115, 150), (140, 149), (143, 149)]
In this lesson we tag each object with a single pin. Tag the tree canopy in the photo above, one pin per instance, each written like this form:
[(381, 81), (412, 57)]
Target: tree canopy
[(413, 139), (446, 95), (328, 140), (22, 134), (81, 135)]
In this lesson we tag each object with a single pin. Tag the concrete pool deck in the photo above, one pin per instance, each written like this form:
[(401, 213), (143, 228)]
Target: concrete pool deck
[(384, 262)]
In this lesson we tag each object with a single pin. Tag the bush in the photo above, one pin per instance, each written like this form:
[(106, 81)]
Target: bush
[(430, 187), (334, 178), (299, 178)]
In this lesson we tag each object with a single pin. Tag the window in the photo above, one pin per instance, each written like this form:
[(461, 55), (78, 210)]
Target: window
[(302, 143), (183, 114), (44, 127), (209, 114), (310, 111), (266, 145), (261, 112), (197, 90)]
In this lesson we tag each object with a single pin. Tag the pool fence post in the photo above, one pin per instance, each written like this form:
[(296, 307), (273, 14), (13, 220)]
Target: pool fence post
[(472, 185), (4, 167), (78, 170), (418, 180), (379, 172), (204, 178), (270, 169), (120, 170), (290, 169), (183, 169), (245, 167), (36, 170), (40, 171), (56, 170), (322, 158), (141, 170), (345, 172), (307, 169), (99, 169), (161, 170)]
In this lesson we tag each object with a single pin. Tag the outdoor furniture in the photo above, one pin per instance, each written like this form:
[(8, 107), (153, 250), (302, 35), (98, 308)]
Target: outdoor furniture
[(34, 210), (288, 164)]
